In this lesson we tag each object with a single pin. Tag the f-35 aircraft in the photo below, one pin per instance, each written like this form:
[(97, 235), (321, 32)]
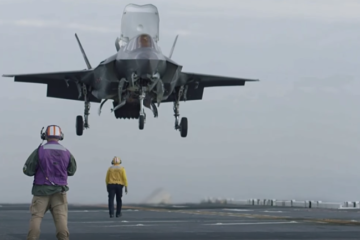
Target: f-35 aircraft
[(139, 75)]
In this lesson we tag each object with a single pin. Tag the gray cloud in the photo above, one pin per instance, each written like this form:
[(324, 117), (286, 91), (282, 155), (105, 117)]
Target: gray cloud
[(333, 10)]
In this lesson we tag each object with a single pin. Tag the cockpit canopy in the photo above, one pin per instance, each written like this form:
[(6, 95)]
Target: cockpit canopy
[(141, 41), (139, 19)]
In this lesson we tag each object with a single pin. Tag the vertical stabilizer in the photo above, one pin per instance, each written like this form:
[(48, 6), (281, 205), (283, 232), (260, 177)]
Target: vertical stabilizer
[(83, 53), (173, 46), (117, 44)]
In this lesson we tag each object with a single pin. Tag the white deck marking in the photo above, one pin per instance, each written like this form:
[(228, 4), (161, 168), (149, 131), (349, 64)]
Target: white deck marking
[(74, 211), (96, 211), (238, 210), (139, 221), (135, 225), (249, 223), (209, 222)]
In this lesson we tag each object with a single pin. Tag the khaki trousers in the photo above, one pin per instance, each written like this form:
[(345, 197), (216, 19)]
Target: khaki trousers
[(58, 206)]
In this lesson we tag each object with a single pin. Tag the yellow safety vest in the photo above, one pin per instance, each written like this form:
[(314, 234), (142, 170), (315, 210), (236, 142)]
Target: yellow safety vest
[(116, 175)]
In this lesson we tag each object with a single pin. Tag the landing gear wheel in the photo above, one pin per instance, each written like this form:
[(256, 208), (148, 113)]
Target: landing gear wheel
[(79, 125), (183, 127), (141, 122)]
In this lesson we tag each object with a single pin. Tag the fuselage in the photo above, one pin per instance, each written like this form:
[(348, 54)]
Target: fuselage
[(143, 61), (139, 62)]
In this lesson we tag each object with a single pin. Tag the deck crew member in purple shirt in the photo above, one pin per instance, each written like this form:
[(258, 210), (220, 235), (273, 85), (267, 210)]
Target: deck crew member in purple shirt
[(50, 164)]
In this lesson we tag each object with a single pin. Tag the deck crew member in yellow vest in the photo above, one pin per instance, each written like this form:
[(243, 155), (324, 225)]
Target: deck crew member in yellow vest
[(116, 180)]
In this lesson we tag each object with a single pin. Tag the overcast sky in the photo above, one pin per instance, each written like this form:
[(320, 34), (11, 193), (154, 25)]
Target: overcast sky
[(293, 135)]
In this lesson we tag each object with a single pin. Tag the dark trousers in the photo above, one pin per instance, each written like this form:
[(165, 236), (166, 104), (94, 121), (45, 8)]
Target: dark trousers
[(115, 190)]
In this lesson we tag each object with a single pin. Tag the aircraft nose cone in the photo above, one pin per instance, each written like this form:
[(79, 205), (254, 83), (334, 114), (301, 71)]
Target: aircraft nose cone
[(142, 61), (146, 66), (148, 63), (146, 55)]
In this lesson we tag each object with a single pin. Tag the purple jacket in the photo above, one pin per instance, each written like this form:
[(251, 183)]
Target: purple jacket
[(54, 159)]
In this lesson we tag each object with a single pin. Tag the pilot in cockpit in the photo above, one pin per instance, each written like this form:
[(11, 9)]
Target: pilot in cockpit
[(144, 40)]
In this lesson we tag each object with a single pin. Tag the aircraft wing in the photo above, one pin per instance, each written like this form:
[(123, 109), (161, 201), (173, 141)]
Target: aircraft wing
[(204, 80), (59, 84), (47, 78), (197, 82)]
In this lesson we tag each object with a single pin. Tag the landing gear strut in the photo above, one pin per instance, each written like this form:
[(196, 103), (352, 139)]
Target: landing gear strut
[(183, 125), (142, 116), (80, 123)]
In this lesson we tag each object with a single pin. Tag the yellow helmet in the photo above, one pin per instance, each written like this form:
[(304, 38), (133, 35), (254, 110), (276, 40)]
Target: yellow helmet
[(116, 160)]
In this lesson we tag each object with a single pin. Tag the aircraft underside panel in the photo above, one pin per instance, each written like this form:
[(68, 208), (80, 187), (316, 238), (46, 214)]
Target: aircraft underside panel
[(59, 89), (128, 111)]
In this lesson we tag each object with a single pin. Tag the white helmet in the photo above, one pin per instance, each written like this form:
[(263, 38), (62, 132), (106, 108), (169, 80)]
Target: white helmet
[(116, 160)]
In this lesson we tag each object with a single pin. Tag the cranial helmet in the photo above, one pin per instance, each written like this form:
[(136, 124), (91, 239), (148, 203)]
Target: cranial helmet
[(116, 160), (52, 131)]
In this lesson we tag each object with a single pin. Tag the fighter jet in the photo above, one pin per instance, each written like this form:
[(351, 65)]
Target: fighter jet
[(138, 75)]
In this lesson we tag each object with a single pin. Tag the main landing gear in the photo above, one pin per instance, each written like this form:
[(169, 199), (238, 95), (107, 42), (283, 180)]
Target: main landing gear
[(80, 123), (142, 116), (183, 125)]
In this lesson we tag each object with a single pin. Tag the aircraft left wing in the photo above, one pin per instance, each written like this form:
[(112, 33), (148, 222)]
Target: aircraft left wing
[(197, 82), (59, 84)]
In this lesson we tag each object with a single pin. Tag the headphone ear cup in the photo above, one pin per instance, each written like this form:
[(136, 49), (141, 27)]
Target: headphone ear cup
[(42, 134)]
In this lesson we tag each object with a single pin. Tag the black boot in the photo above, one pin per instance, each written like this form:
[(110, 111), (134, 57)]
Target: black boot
[(118, 215), (111, 215)]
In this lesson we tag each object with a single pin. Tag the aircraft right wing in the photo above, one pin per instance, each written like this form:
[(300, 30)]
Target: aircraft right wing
[(197, 82), (49, 77), (204, 80), (59, 84)]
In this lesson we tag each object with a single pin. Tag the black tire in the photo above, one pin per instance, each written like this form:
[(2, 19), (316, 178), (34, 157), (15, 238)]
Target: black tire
[(79, 125), (183, 127), (141, 122)]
